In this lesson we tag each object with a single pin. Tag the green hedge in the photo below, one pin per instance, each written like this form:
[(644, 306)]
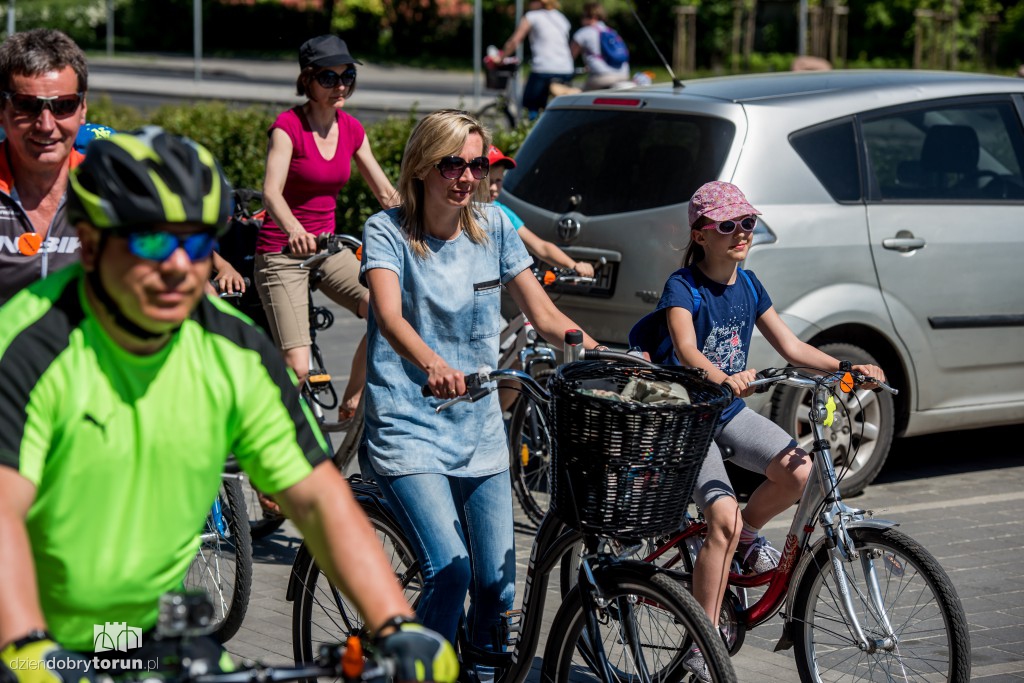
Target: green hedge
[(237, 137)]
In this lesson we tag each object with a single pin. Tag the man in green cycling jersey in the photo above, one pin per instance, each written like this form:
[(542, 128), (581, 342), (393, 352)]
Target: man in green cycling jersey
[(123, 388)]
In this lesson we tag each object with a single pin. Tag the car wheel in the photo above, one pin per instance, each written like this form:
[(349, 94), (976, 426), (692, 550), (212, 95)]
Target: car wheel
[(861, 434)]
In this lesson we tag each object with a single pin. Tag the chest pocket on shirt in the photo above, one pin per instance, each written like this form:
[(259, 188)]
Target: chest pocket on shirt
[(486, 309)]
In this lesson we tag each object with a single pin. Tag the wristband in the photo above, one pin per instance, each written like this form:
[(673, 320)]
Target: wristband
[(33, 636), (395, 622)]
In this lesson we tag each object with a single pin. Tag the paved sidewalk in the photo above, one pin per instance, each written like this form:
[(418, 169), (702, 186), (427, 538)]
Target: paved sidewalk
[(381, 89)]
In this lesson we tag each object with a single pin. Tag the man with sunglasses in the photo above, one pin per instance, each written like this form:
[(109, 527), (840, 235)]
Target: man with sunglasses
[(43, 81), (123, 388)]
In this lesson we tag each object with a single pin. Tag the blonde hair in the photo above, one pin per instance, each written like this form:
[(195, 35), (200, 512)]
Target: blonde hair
[(550, 4), (440, 134)]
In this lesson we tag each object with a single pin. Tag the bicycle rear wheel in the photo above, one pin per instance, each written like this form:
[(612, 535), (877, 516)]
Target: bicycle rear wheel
[(529, 445), (223, 565), (928, 638), (647, 627), (321, 614)]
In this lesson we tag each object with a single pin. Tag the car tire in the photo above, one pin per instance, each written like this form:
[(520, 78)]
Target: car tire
[(862, 434)]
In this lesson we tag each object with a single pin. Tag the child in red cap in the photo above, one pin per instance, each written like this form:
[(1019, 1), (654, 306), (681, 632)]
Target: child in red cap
[(705, 319), (542, 249)]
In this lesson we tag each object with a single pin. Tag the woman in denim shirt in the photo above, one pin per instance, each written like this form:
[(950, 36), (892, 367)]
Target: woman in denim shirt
[(435, 267)]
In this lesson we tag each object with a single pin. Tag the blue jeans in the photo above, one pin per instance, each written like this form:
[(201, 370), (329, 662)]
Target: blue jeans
[(461, 530), (536, 91)]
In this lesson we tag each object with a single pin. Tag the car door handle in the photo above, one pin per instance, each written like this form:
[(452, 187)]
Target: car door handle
[(904, 241)]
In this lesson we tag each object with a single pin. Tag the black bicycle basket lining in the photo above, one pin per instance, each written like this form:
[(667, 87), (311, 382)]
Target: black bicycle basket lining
[(628, 469)]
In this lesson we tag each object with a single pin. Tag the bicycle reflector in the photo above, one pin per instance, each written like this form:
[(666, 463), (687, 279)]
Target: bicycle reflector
[(359, 253), (352, 660), (846, 383)]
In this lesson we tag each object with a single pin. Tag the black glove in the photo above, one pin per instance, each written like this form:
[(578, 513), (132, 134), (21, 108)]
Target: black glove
[(38, 659), (419, 654)]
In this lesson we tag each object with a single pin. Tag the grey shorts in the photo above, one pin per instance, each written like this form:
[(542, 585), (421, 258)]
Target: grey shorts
[(284, 291), (755, 441)]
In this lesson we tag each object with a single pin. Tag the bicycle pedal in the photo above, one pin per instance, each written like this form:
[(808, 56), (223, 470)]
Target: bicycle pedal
[(511, 626), (319, 380)]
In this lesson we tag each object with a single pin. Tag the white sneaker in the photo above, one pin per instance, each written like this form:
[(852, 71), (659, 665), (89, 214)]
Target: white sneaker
[(759, 557), (695, 664)]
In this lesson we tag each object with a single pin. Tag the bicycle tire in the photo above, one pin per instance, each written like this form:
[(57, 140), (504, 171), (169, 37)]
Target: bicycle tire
[(529, 439), (349, 447), (223, 564), (680, 559), (493, 117), (321, 614), (908, 575), (262, 522), (667, 620)]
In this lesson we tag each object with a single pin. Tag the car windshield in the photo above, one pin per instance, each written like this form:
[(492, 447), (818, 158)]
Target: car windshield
[(602, 161)]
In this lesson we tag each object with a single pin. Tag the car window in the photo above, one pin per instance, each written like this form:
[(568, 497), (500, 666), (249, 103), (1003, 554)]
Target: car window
[(601, 162), (947, 151), (830, 151)]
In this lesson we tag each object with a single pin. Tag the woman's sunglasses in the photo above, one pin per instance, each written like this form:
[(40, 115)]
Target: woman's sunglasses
[(61, 106), (729, 227), (329, 79), (453, 167), (158, 246)]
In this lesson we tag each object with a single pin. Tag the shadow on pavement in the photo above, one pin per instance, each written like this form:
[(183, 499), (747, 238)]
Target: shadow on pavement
[(278, 548), (969, 450)]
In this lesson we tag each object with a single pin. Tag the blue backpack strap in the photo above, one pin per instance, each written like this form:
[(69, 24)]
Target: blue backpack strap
[(651, 333), (750, 284), (692, 284)]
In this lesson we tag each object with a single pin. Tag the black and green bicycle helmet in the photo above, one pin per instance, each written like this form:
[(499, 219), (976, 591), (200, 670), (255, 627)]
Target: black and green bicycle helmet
[(148, 177)]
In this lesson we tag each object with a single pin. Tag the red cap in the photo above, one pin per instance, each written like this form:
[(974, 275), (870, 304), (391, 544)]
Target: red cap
[(496, 156)]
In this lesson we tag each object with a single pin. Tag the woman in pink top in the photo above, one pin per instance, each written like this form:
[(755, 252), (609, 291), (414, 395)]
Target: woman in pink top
[(309, 157)]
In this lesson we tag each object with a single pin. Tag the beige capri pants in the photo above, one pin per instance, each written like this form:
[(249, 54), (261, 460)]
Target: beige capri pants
[(284, 291)]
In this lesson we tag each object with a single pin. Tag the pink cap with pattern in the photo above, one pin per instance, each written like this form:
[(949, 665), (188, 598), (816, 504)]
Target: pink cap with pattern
[(719, 200)]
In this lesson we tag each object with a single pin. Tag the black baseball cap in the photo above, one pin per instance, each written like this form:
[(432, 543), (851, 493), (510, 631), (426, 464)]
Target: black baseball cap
[(325, 51)]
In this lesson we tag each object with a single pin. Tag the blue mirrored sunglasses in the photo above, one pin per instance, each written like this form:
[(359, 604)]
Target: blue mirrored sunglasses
[(158, 246)]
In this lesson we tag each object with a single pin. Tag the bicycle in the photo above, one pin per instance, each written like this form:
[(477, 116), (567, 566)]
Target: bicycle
[(865, 601), (223, 564), (529, 435), (634, 619), (184, 657), (318, 390), (500, 75)]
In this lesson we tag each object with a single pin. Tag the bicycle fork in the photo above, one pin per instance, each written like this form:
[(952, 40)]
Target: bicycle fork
[(835, 522), (595, 604)]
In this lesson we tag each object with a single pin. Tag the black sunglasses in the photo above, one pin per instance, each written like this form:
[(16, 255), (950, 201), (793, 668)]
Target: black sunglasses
[(159, 245), (61, 106), (329, 79), (453, 167)]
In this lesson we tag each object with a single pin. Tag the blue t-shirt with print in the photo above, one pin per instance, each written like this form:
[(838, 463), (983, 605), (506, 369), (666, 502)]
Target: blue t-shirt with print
[(724, 320), (452, 298)]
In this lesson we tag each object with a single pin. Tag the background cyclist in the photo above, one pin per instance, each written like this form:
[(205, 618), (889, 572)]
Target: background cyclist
[(124, 389)]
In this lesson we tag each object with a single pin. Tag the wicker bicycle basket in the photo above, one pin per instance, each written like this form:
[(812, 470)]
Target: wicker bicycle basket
[(627, 469), (497, 79)]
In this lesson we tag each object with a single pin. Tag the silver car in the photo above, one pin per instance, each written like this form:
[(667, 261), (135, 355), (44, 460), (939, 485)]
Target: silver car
[(892, 228)]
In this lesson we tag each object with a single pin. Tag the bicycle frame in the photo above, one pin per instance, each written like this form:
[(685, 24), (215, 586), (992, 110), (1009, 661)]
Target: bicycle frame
[(835, 518)]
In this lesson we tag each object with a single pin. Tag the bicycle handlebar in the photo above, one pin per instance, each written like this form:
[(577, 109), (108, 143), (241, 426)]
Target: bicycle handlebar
[(476, 381), (795, 378), (327, 245)]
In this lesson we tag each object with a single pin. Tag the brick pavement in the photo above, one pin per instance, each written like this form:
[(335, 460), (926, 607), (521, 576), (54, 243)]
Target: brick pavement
[(967, 514)]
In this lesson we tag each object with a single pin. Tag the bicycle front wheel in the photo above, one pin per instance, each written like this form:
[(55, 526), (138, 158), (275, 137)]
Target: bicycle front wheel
[(223, 566), (921, 634), (321, 614), (647, 626), (529, 445)]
